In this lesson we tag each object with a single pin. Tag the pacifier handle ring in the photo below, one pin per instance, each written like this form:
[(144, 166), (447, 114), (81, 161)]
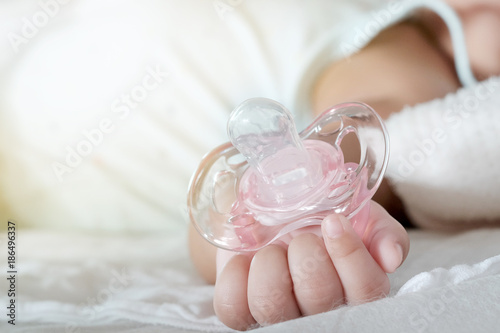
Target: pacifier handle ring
[(372, 135)]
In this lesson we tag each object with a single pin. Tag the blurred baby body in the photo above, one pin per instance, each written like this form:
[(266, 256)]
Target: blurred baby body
[(109, 106)]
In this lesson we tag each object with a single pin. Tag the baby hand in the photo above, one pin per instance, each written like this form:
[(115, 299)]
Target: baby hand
[(311, 274)]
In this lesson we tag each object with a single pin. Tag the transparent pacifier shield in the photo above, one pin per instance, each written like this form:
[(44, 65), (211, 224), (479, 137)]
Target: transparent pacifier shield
[(212, 194), (218, 179)]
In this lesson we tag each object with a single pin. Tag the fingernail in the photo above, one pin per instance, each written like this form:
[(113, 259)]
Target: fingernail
[(333, 226), (399, 250)]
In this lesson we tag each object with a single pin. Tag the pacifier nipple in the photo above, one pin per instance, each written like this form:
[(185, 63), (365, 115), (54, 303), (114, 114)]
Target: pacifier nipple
[(264, 132)]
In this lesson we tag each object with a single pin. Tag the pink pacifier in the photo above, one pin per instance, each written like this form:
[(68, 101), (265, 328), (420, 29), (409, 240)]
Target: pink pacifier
[(270, 180)]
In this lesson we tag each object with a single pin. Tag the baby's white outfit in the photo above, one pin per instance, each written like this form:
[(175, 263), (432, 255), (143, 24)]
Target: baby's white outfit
[(108, 106)]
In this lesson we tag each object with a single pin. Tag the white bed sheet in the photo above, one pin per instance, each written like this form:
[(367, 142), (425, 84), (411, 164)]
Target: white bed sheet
[(70, 282)]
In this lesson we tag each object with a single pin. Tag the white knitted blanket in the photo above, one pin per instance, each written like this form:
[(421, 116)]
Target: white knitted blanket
[(445, 156)]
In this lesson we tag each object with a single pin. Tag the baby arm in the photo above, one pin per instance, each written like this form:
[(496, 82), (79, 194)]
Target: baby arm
[(400, 67)]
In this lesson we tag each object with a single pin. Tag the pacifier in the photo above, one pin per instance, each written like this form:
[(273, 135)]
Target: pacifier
[(270, 180)]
